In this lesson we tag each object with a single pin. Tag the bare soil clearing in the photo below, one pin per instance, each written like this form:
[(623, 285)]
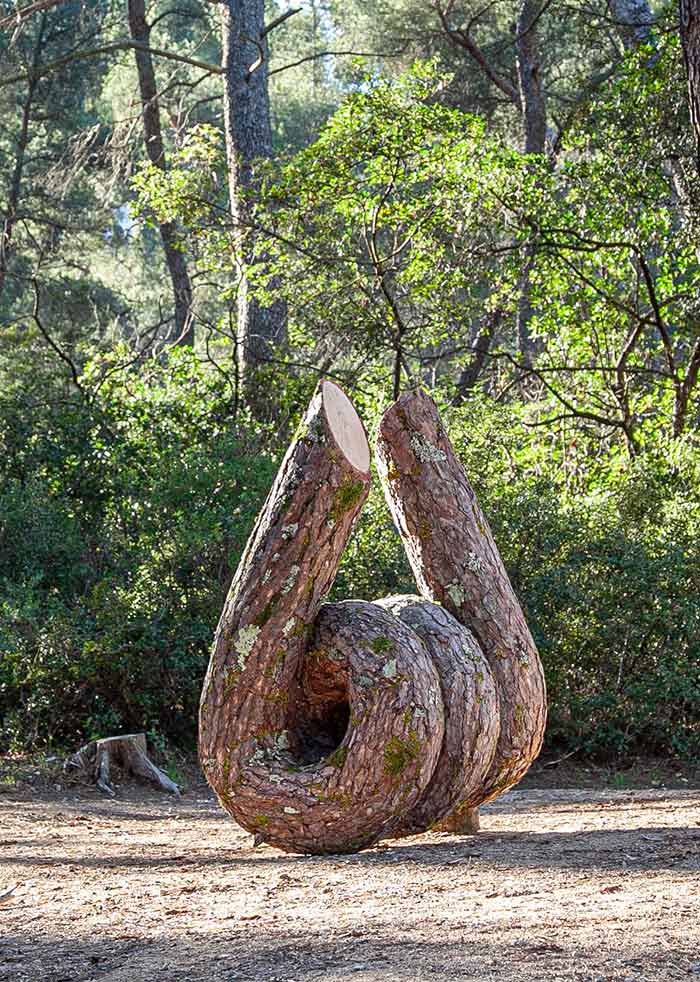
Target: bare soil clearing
[(579, 885)]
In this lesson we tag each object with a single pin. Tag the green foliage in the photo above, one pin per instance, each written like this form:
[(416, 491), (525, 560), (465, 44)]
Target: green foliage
[(609, 577), (380, 224), (616, 282), (395, 230), (119, 532), (374, 563)]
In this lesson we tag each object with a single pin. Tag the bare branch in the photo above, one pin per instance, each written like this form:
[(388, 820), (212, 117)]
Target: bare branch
[(280, 20), (463, 39), (106, 49), (49, 340), (21, 14), (337, 54)]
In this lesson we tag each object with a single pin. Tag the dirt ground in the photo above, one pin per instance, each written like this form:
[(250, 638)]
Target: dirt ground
[(592, 885)]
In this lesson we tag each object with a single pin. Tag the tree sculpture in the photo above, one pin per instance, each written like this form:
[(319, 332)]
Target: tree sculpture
[(324, 726)]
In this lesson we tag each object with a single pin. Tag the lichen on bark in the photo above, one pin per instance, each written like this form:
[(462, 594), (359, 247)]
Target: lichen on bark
[(325, 726)]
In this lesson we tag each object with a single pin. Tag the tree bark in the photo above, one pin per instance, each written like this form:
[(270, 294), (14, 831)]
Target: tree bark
[(534, 113), (532, 97), (326, 726), (248, 138), (690, 39), (153, 136), (472, 715), (12, 208), (456, 563), (480, 346), (15, 190), (315, 755)]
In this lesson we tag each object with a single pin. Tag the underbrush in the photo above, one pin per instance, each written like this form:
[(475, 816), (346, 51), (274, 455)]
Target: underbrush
[(123, 519)]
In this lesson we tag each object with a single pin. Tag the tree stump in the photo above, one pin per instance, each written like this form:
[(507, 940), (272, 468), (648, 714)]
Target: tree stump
[(93, 762), (324, 726)]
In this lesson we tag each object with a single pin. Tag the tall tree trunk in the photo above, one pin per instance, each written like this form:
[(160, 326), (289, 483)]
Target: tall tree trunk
[(13, 200), (248, 138), (480, 346), (177, 266), (690, 39), (532, 97), (534, 114), (12, 210)]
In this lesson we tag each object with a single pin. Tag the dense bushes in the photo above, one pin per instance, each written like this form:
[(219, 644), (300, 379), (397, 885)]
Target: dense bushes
[(609, 578), (119, 531), (122, 517)]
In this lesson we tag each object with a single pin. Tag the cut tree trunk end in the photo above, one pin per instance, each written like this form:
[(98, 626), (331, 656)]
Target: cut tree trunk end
[(324, 726), (93, 762)]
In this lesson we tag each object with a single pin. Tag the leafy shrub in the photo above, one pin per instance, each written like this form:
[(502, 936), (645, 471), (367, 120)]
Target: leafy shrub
[(116, 552), (121, 523), (609, 580)]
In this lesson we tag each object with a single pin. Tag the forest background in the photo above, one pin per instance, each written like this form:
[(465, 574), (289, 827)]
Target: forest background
[(207, 206)]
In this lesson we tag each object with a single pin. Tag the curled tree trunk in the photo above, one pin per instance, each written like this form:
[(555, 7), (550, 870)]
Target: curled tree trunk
[(325, 726), (456, 563), (472, 716), (271, 747)]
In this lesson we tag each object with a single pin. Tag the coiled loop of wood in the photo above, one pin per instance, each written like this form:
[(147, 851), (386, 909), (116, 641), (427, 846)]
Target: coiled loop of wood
[(325, 726)]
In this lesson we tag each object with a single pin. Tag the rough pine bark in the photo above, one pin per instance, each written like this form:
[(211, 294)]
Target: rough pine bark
[(326, 726), (456, 563), (472, 715), (316, 729)]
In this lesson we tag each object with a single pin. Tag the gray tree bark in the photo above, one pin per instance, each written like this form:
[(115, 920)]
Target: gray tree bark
[(534, 114), (481, 340), (93, 762), (153, 137), (248, 138), (15, 189), (690, 39), (532, 96)]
